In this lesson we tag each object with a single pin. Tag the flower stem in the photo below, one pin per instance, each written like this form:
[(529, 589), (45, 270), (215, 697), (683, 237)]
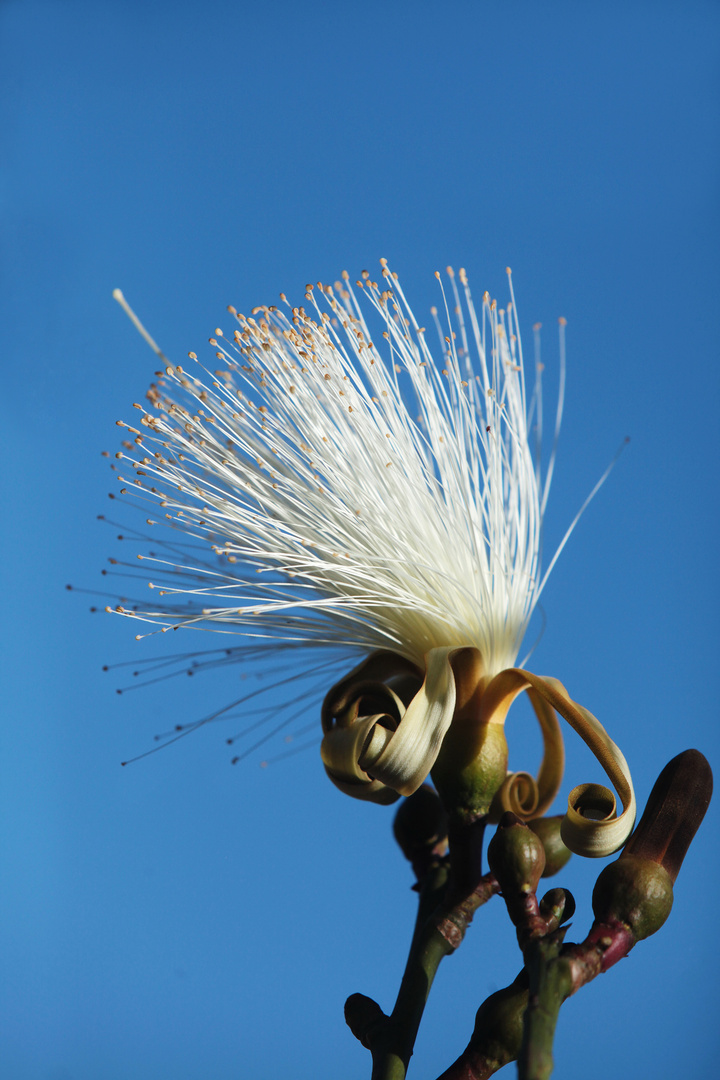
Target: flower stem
[(428, 950), (550, 984), (439, 930), (497, 1034)]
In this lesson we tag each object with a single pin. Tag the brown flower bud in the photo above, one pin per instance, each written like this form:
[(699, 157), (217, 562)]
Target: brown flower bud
[(637, 889), (677, 804)]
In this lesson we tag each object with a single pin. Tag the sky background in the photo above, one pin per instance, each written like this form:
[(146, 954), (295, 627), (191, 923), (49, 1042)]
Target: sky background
[(186, 919)]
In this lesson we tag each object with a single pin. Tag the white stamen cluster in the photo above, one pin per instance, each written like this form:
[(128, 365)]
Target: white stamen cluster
[(356, 491)]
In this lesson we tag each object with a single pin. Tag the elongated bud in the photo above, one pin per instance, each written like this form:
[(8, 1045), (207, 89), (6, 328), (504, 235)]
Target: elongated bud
[(637, 889), (516, 856), (674, 812), (556, 853), (421, 824)]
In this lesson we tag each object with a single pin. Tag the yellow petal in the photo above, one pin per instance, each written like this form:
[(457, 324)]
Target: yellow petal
[(522, 793), (591, 826)]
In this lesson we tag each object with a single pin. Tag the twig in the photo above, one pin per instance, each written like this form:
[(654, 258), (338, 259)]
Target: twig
[(391, 1039)]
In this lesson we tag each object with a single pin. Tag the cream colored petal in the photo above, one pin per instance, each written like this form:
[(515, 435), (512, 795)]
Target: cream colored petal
[(591, 826), (407, 758), (522, 793), (374, 669), (370, 753), (341, 752)]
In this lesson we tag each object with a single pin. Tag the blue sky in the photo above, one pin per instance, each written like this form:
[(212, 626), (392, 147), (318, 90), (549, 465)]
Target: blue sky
[(182, 918)]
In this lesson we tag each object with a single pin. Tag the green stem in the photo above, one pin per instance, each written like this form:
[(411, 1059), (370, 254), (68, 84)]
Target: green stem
[(394, 1046), (391, 1038), (439, 929), (497, 1035), (550, 983), (392, 1042), (431, 891)]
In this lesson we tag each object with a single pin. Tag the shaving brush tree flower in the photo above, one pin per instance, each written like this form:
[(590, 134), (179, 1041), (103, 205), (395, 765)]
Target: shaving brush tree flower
[(359, 490)]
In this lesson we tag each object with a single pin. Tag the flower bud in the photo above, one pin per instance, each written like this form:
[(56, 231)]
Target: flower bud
[(556, 853), (364, 1017), (634, 891), (499, 1023), (516, 856), (638, 889), (421, 824), (557, 906), (677, 804)]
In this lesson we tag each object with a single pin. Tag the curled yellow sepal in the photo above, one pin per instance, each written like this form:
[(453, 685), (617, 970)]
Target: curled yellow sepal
[(591, 826), (384, 723), (526, 796)]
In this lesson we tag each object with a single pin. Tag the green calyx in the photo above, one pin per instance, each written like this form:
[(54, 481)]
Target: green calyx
[(470, 768), (635, 891)]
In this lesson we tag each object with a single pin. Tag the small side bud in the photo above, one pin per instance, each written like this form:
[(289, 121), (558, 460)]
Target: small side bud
[(499, 1024), (363, 1016), (421, 824), (516, 856), (556, 852), (556, 907)]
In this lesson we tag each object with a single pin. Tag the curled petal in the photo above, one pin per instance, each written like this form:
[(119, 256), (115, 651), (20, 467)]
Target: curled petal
[(378, 669), (381, 755), (352, 739), (591, 826), (342, 752), (521, 793)]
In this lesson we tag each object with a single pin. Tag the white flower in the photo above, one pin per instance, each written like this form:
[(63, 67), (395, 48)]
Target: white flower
[(359, 492)]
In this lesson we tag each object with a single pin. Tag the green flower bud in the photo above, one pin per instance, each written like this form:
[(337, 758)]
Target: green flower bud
[(634, 891), (499, 1023), (556, 853), (516, 856)]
